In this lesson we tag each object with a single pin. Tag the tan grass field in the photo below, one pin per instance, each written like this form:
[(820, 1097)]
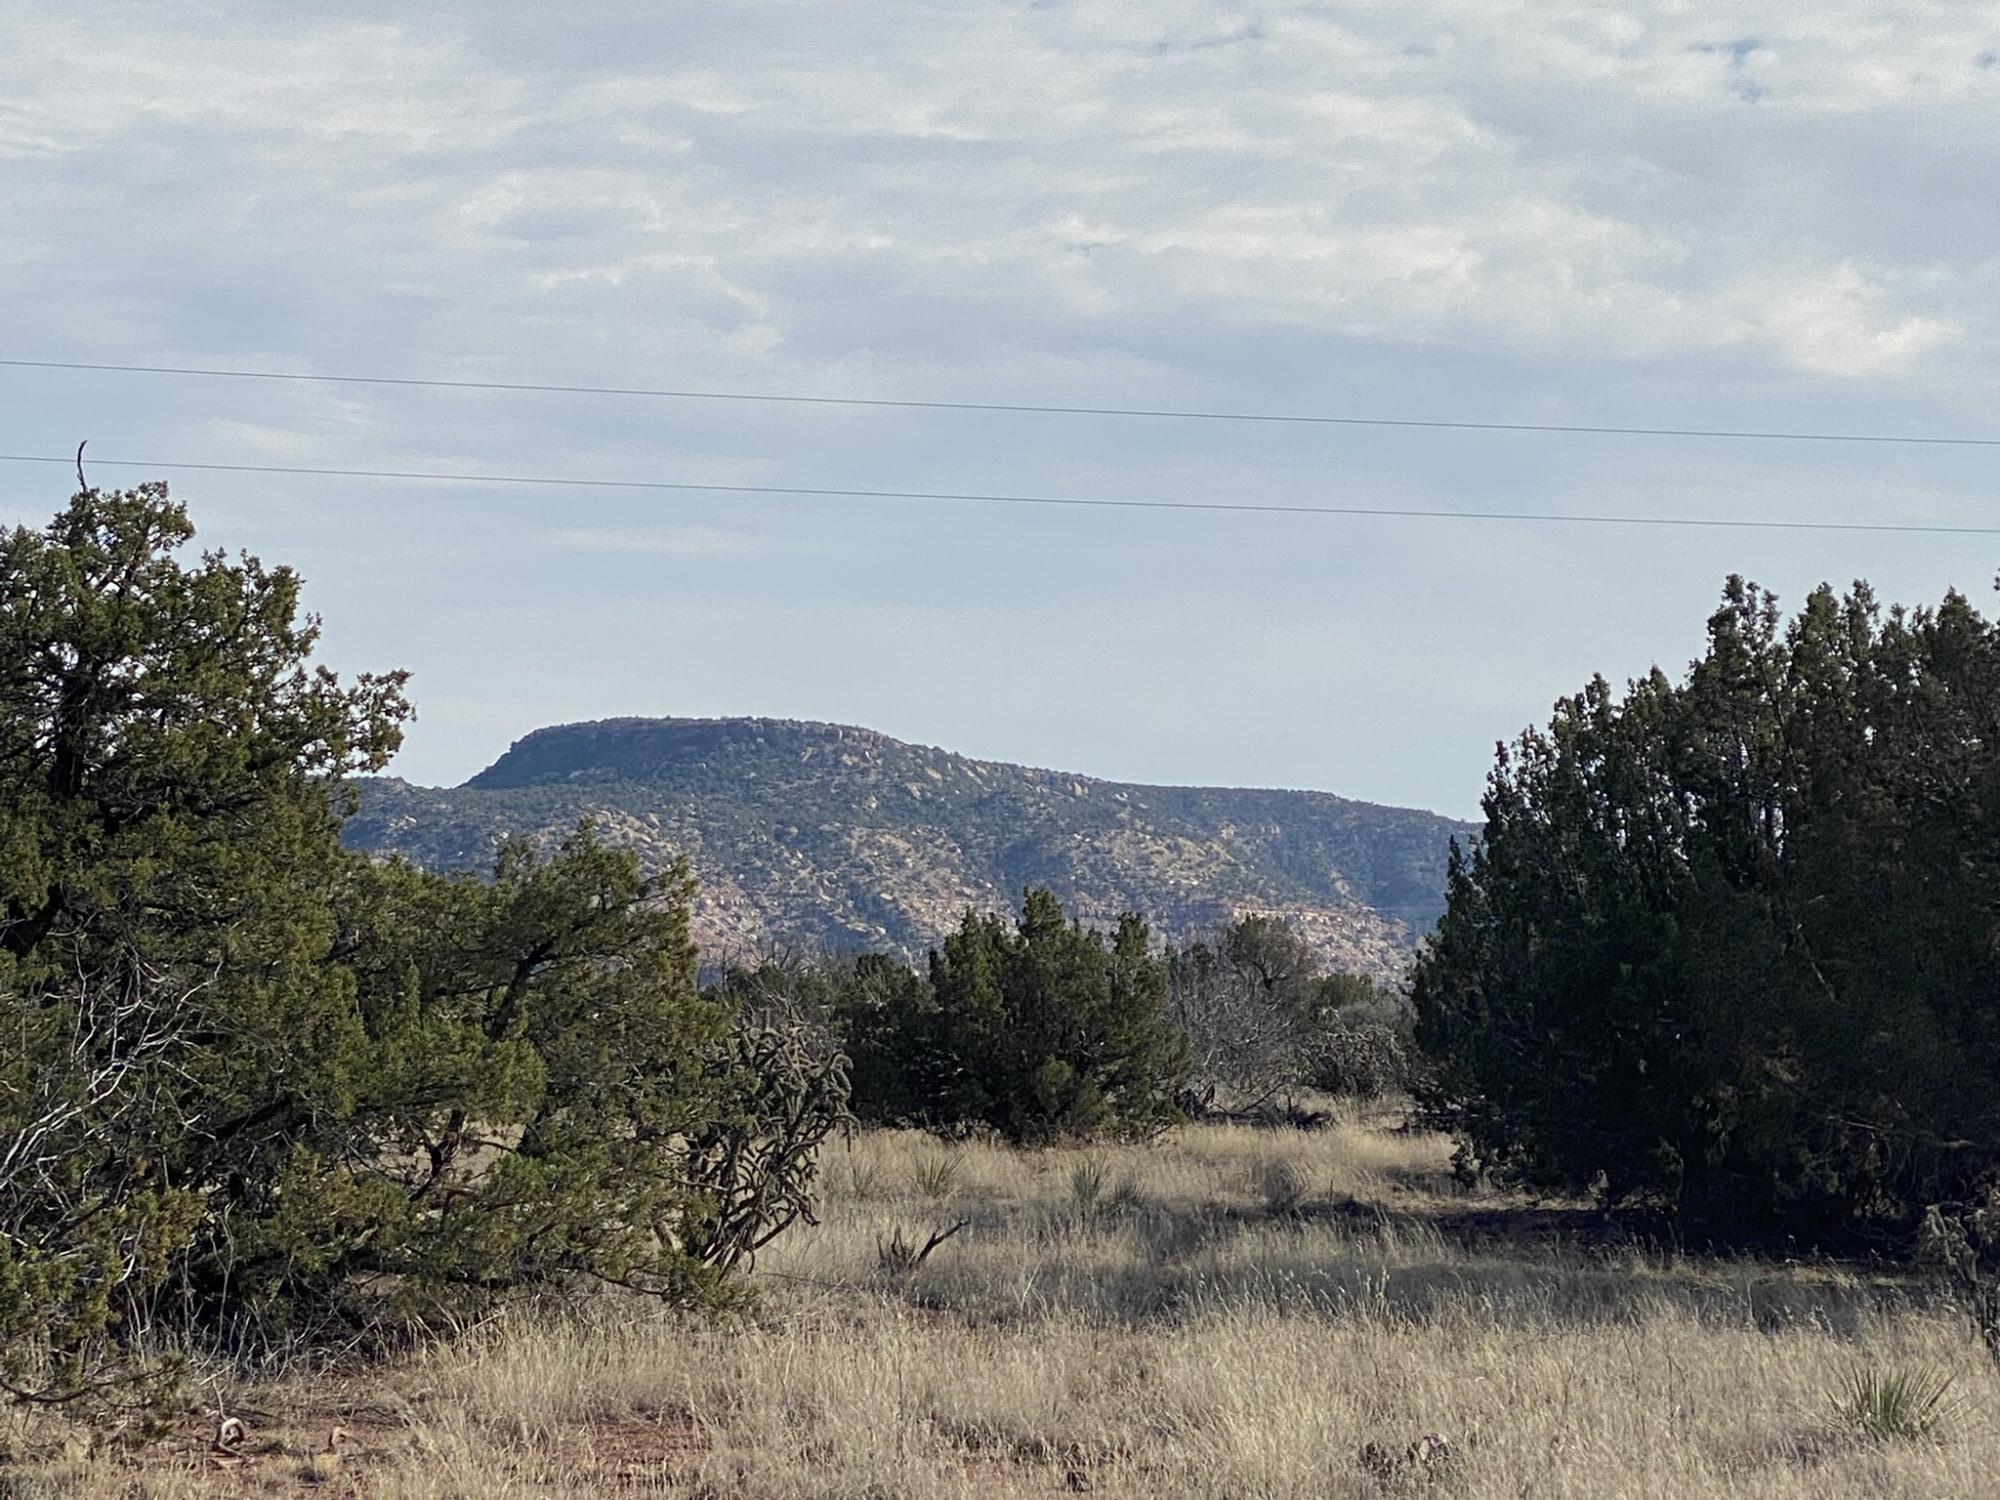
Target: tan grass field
[(1224, 1314)]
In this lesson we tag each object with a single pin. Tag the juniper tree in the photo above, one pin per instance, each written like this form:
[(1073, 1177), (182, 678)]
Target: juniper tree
[(248, 1079), (1726, 945), (169, 762), (1056, 1029)]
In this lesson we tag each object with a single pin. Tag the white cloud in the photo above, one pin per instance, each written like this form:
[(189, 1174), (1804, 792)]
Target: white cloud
[(1440, 172), (1648, 213), (1839, 321)]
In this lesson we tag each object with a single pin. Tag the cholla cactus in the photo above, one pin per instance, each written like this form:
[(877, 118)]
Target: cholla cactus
[(752, 1165), (1965, 1244)]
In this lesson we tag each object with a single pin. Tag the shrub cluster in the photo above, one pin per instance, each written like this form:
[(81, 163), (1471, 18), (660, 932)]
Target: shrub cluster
[(259, 1089), (1264, 1018), (1727, 945), (1036, 1029)]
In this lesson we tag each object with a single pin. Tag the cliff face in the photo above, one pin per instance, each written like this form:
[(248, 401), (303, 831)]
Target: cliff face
[(828, 835)]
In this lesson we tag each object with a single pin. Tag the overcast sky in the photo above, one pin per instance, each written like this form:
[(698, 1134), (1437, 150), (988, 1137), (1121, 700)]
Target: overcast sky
[(1759, 215)]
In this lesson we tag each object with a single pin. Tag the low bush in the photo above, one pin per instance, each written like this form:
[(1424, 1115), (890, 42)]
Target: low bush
[(1359, 1059)]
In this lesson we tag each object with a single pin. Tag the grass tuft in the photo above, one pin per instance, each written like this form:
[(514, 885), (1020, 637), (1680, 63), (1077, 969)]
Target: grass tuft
[(1086, 1183), (858, 1178), (1283, 1186), (1902, 1403), (937, 1174)]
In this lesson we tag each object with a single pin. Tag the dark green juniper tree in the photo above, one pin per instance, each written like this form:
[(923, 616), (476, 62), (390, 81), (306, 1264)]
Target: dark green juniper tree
[(1055, 1030), (1728, 946), (167, 815), (1039, 1029), (253, 1086), (904, 1070)]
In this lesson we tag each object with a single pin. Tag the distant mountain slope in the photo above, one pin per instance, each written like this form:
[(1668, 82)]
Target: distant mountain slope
[(822, 834)]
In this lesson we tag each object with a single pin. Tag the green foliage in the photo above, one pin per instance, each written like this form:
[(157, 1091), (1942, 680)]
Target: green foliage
[(531, 1104), (263, 1087), (1726, 946), (1041, 1029), (888, 1022), (167, 831), (1904, 1403), (1052, 1031)]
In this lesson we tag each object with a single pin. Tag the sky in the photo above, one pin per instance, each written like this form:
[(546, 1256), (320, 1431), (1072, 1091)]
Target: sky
[(1766, 216)]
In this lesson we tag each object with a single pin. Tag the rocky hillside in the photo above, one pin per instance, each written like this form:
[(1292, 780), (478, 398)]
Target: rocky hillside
[(822, 834)]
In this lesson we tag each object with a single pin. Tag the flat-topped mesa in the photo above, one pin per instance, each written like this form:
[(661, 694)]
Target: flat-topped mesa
[(639, 749), (830, 835)]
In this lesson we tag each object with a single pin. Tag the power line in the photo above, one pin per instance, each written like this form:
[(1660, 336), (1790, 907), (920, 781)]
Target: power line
[(1935, 440), (557, 481)]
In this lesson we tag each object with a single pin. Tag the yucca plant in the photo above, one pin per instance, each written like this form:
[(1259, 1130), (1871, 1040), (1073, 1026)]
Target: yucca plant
[(1093, 1194), (860, 1178), (937, 1175), (1902, 1403), (1086, 1186)]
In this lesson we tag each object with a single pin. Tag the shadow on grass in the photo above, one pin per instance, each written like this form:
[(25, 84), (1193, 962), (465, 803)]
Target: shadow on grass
[(1526, 1269)]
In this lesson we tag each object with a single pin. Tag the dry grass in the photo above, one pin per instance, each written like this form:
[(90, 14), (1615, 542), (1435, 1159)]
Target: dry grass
[(1144, 1321)]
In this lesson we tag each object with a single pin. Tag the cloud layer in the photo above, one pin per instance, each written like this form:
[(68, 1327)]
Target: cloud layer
[(1572, 212)]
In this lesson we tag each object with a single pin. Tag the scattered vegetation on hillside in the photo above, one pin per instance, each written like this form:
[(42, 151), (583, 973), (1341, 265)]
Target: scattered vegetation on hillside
[(823, 836)]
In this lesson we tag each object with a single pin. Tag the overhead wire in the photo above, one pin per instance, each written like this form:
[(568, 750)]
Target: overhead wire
[(1427, 423), (564, 481)]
